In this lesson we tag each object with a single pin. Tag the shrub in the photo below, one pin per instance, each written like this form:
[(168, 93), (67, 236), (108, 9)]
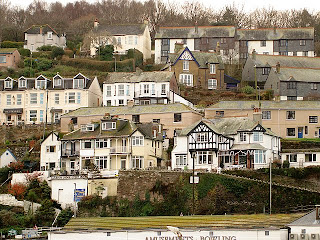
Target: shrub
[(57, 52), (45, 48), (227, 94), (68, 53), (286, 164), (268, 95), (247, 90), (18, 190), (10, 44), (24, 52), (44, 64), (105, 53), (42, 54)]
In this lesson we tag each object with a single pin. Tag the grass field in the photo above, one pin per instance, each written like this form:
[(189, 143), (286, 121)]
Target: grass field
[(216, 221)]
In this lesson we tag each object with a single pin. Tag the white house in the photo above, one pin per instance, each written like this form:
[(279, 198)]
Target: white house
[(40, 35), (6, 158), (122, 36), (143, 88), (39, 100), (50, 152), (225, 142)]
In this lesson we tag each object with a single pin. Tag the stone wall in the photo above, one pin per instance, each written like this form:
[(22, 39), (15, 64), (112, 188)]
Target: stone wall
[(132, 183), (9, 200)]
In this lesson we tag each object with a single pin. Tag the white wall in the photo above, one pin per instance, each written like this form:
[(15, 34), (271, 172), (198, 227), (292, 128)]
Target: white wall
[(6, 158), (22, 177), (301, 159), (47, 157), (260, 50)]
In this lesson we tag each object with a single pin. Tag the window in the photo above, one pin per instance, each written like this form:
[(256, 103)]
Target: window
[(164, 53), (3, 59), (41, 84), (156, 120), (137, 140), (265, 53), (101, 143), (128, 90), (306, 130), (108, 103), (292, 158), (22, 83), (225, 51), (242, 137), (263, 43), (101, 162), (313, 119), (259, 156), (121, 102), (185, 65), (33, 98), (205, 157), (177, 117), (41, 116), (163, 89), (137, 161), (186, 79), (313, 86), (108, 91), (49, 35), (51, 149), (311, 157), (78, 97), (121, 90), (223, 40), (219, 113), (109, 125), (78, 83), (291, 85), (266, 233), (33, 115), (283, 53), (257, 136), (302, 42), (202, 137), (145, 88), (292, 98), (212, 68), (181, 160), (9, 99), (119, 40), (265, 71), (130, 40), (56, 98), (87, 144), (89, 127), (72, 97), (212, 83), (291, 115), (41, 98), (8, 84), (136, 40), (291, 132), (136, 118), (266, 114), (57, 81), (283, 43), (19, 99)]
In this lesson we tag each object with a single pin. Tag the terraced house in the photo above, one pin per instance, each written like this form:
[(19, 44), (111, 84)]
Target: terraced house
[(110, 144), (39, 100)]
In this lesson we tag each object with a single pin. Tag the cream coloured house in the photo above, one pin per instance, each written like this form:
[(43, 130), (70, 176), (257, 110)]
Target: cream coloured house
[(122, 37), (39, 100), (40, 35)]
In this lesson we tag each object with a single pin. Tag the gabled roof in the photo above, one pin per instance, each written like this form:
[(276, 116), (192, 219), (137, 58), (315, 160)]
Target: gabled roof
[(7, 150), (7, 50), (307, 220), (191, 32), (36, 29), (275, 33), (136, 77), (122, 29)]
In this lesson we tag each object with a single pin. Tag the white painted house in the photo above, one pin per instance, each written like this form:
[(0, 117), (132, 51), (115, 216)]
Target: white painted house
[(50, 152), (6, 158), (225, 142)]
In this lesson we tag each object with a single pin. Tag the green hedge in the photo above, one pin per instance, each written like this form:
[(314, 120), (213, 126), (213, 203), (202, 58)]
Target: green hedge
[(10, 44), (104, 66)]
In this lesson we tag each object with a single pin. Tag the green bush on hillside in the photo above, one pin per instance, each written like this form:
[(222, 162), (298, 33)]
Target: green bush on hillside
[(247, 90), (24, 52), (10, 44)]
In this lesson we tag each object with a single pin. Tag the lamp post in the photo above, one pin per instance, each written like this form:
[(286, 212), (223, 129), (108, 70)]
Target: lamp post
[(270, 186), (74, 198), (193, 156)]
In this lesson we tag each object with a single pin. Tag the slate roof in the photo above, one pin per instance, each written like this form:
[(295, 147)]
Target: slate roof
[(298, 74), (35, 29), (190, 32), (254, 146), (286, 61), (135, 77), (266, 105), (7, 50), (307, 220), (275, 33), (137, 109), (229, 79), (123, 29)]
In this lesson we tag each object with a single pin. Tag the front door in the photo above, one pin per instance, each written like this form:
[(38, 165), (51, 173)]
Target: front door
[(300, 132)]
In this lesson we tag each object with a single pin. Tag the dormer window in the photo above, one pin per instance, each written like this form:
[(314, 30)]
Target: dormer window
[(212, 68), (87, 128), (108, 125), (22, 83), (57, 82), (8, 83), (41, 82), (78, 83)]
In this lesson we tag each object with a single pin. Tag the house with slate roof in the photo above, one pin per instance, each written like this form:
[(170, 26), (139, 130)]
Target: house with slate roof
[(276, 41), (6, 157), (122, 36), (196, 38), (9, 57), (40, 35), (39, 100), (110, 144), (224, 142), (288, 119), (197, 69)]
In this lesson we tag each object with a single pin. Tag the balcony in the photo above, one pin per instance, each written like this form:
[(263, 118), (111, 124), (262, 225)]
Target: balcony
[(157, 94), (70, 153), (120, 150)]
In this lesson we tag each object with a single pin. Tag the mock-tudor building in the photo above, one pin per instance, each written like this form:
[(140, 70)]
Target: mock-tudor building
[(196, 38), (40, 35), (225, 142), (141, 88), (122, 36), (276, 41), (197, 69), (39, 100)]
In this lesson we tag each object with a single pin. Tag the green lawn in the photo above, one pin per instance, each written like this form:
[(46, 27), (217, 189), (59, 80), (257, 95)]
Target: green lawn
[(216, 221)]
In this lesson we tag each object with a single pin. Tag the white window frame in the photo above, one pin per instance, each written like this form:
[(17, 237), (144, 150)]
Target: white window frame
[(22, 83), (33, 98), (290, 115), (9, 102), (33, 115), (8, 84), (108, 91), (108, 125), (243, 137), (19, 99), (146, 88), (71, 97), (186, 79), (181, 160), (185, 65), (212, 68), (137, 141), (137, 162), (57, 81), (41, 84), (163, 89), (259, 157), (49, 35), (266, 115), (57, 98), (78, 83), (121, 90), (202, 137), (258, 136), (212, 83)]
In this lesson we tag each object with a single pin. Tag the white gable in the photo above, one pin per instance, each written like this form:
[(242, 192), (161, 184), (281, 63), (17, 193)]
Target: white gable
[(186, 56)]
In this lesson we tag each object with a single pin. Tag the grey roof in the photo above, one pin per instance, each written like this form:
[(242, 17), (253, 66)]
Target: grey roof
[(190, 32), (254, 146), (136, 77), (266, 105), (298, 74), (137, 109), (35, 29), (307, 220), (276, 33), (286, 61), (4, 51), (123, 29)]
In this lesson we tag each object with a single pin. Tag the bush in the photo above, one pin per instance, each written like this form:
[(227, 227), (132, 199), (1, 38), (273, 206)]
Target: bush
[(44, 64), (268, 95), (57, 52), (106, 53), (45, 48), (42, 54), (10, 44), (24, 52), (68, 53), (247, 90), (286, 164)]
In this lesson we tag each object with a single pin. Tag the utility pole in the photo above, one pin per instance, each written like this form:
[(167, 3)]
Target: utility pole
[(270, 187)]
